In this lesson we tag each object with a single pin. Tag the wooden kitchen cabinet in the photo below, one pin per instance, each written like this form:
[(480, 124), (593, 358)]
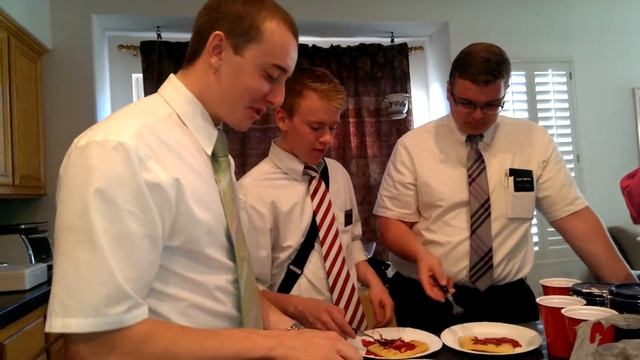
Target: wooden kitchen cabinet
[(21, 131), (24, 339), (55, 346)]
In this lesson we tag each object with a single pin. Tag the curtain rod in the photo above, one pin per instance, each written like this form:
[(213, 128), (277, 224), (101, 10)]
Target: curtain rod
[(414, 49), (129, 48), (134, 50)]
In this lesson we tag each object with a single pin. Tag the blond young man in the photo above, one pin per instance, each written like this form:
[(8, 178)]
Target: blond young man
[(279, 210)]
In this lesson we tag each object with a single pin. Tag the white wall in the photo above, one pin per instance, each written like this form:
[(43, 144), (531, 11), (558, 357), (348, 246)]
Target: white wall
[(33, 15), (600, 37), (438, 63)]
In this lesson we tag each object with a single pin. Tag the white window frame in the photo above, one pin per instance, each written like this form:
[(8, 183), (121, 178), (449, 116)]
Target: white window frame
[(137, 87)]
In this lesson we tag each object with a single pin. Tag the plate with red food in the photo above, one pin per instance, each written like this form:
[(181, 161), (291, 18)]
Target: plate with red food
[(396, 343), (491, 338)]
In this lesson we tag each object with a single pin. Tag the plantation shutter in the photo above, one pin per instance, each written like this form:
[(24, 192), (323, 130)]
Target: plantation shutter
[(542, 92)]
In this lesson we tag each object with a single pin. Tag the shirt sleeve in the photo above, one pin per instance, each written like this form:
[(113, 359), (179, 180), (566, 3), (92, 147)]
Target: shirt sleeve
[(355, 250), (398, 194), (557, 194), (108, 237)]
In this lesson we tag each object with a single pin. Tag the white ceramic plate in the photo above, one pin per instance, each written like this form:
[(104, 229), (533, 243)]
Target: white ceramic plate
[(529, 339), (406, 334)]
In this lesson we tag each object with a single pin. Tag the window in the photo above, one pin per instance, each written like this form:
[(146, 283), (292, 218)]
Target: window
[(542, 92), (137, 87)]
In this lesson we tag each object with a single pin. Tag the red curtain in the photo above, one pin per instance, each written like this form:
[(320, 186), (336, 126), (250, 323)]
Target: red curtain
[(365, 138), (366, 134)]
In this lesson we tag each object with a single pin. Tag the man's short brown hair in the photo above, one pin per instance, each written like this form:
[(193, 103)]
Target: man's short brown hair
[(482, 64), (316, 80), (241, 22)]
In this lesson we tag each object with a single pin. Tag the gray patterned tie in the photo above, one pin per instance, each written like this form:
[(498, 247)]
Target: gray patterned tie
[(481, 253), (249, 297)]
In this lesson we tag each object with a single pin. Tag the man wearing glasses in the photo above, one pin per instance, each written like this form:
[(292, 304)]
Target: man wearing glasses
[(457, 199)]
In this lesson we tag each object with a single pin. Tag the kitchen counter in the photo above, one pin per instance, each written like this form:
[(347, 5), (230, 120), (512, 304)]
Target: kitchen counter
[(16, 304)]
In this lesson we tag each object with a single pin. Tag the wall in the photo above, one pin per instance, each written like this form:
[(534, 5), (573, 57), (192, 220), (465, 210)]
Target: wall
[(600, 37), (33, 15), (438, 64)]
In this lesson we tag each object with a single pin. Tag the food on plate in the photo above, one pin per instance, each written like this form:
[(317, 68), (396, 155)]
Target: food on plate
[(393, 347), (489, 344)]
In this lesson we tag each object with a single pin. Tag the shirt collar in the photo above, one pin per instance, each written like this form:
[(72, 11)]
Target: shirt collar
[(190, 111), (288, 162), (487, 139)]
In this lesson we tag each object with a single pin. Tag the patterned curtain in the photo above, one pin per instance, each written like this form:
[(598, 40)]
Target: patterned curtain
[(366, 135)]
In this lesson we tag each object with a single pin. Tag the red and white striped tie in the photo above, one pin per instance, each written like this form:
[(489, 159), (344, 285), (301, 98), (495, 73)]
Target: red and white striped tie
[(342, 285)]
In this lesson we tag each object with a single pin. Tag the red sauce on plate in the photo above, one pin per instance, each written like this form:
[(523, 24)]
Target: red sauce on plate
[(496, 341), (395, 344)]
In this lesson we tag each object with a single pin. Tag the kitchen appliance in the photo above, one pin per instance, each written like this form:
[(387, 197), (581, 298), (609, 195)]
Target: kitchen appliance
[(22, 277), (25, 256), (25, 244)]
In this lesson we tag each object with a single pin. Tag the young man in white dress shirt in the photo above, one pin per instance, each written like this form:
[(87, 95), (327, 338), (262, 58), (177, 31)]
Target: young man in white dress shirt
[(276, 201), (423, 205), (144, 267)]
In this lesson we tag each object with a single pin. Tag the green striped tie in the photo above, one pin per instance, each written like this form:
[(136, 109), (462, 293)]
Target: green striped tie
[(249, 300)]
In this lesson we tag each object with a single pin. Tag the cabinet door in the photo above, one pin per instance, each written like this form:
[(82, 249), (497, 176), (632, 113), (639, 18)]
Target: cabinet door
[(55, 346), (28, 167), (27, 344), (6, 177)]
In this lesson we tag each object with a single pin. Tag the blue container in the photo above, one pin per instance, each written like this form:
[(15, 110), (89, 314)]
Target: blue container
[(595, 294), (625, 299)]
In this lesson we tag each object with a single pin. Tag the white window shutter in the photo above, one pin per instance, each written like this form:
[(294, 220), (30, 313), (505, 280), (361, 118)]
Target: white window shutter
[(541, 92)]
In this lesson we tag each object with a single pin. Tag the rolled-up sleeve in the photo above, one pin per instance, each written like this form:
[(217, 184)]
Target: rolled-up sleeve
[(398, 194), (108, 238), (557, 194)]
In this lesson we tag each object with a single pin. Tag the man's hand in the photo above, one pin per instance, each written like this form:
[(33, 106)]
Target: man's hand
[(315, 345), (431, 275), (322, 315), (381, 303)]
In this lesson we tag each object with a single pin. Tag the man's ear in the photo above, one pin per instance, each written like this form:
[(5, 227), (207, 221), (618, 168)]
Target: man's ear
[(282, 119), (215, 48), (448, 91)]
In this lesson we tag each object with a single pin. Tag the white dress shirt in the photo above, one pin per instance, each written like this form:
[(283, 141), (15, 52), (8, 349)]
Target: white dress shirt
[(425, 183), (277, 211), (140, 229)]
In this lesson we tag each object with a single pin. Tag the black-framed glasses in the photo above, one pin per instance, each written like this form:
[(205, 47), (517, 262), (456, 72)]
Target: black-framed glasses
[(469, 106)]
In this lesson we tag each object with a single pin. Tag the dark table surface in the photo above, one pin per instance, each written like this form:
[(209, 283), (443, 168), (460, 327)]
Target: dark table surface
[(16, 304)]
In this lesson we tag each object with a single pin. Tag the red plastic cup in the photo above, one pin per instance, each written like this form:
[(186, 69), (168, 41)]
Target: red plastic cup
[(576, 315), (555, 328), (557, 286)]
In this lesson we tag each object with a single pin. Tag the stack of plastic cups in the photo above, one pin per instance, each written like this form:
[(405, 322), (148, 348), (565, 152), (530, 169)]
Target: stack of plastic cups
[(576, 315), (555, 327), (557, 286)]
